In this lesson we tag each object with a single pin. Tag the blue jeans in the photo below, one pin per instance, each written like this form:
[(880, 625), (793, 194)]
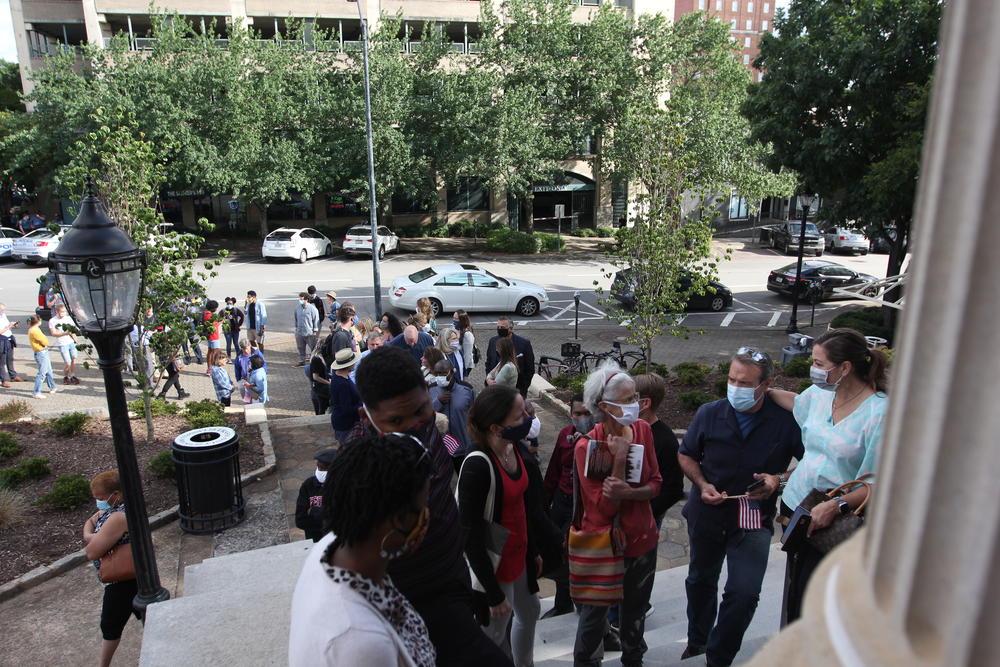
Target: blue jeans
[(44, 371), (745, 552), (232, 340)]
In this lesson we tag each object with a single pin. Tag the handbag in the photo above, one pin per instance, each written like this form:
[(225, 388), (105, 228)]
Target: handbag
[(826, 539), (117, 564), (496, 534), (596, 558)]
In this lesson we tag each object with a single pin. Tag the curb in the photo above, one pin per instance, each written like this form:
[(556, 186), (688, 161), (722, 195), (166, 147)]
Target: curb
[(43, 573)]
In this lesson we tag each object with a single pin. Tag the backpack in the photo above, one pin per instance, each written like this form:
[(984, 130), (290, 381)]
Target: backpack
[(475, 355)]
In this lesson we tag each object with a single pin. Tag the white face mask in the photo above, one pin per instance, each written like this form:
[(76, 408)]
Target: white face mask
[(320, 475), (630, 413), (821, 378), (441, 380)]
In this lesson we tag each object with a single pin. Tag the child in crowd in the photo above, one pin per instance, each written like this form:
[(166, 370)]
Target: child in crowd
[(40, 346), (256, 382), (309, 506), (220, 378)]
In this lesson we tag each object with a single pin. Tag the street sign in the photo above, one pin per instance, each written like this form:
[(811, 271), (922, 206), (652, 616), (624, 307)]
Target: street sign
[(234, 205), (560, 210)]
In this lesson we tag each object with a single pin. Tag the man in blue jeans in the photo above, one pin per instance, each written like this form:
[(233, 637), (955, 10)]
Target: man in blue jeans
[(733, 443)]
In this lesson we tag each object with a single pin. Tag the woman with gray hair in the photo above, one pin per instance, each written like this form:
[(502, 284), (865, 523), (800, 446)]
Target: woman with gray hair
[(610, 395)]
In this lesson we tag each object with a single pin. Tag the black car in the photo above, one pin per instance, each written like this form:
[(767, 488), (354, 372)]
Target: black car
[(819, 278), (715, 298)]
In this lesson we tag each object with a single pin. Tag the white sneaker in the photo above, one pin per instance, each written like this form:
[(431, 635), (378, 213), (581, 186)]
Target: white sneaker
[(53, 390), (39, 395)]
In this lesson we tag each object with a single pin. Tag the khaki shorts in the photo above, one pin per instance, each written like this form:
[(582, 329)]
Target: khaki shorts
[(254, 336)]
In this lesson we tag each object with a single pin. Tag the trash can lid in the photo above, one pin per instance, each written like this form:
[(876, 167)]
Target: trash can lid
[(210, 436)]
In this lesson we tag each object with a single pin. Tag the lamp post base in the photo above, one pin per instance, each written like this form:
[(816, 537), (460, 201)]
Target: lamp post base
[(142, 601)]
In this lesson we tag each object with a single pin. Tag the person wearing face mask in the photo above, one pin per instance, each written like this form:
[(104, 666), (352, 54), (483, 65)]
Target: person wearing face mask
[(523, 353), (453, 400), (347, 608), (731, 444), (449, 342), (496, 480), (609, 393), (233, 322), (558, 491), (104, 530), (463, 325), (842, 418), (306, 327), (309, 504), (505, 372), (434, 578)]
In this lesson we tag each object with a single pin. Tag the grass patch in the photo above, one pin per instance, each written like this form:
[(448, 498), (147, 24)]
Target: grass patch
[(9, 447), (14, 410)]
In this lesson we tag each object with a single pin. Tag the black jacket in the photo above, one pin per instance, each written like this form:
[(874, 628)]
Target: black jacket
[(309, 509), (672, 488), (544, 538), (525, 360)]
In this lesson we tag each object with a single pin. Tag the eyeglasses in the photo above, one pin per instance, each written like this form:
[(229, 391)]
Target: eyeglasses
[(755, 354), (426, 453)]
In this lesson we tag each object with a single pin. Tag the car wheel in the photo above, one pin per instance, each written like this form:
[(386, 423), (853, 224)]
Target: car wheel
[(819, 254), (381, 252), (528, 306), (329, 251), (399, 248), (303, 256), (864, 253), (436, 307), (269, 259), (718, 303)]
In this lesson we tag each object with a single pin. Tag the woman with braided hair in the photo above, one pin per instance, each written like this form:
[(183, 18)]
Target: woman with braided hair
[(346, 610)]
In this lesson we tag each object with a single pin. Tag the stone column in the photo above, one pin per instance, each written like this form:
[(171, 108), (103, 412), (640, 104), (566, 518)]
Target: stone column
[(921, 586)]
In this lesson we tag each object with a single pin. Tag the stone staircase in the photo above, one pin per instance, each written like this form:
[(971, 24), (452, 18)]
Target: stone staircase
[(235, 610)]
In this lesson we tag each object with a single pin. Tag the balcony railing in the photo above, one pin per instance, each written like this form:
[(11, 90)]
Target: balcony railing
[(323, 46)]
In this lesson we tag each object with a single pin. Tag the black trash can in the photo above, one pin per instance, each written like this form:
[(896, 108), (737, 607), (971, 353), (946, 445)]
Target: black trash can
[(208, 479)]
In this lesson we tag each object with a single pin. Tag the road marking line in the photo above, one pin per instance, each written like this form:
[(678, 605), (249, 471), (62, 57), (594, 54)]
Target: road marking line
[(329, 280), (749, 305), (774, 318), (727, 319)]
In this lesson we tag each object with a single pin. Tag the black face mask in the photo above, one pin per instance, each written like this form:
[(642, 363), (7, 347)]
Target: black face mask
[(519, 432), (502, 332)]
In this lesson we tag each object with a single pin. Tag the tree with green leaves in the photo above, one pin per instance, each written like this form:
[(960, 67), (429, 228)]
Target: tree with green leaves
[(844, 101)]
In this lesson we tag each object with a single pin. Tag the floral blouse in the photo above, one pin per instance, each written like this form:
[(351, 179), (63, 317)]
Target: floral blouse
[(124, 539)]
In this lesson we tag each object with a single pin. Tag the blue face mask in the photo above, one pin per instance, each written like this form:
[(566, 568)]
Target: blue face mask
[(742, 398), (821, 378), (103, 505)]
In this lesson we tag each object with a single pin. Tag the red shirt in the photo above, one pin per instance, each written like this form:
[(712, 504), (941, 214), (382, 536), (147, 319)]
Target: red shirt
[(216, 326), (559, 474), (635, 516), (514, 519)]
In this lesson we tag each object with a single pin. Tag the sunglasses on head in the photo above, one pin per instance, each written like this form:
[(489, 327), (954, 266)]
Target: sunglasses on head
[(755, 354)]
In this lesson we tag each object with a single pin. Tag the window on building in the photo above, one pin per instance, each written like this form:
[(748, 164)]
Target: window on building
[(749, 24), (736, 5), (738, 207), (746, 42), (404, 202), (701, 4), (767, 7), (732, 24), (746, 59), (592, 3), (750, 6), (764, 25), (468, 195), (760, 77), (718, 5)]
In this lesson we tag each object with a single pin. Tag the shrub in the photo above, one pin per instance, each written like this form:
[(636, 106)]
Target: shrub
[(14, 410), (162, 465), (550, 242), (723, 367), (10, 477), (605, 232), (71, 424), (9, 447), (889, 354), (507, 240), (12, 507), (803, 385), (691, 372), (586, 233), (574, 383), (722, 386), (201, 414), (68, 492), (157, 406), (866, 320), (27, 470), (692, 400), (797, 368)]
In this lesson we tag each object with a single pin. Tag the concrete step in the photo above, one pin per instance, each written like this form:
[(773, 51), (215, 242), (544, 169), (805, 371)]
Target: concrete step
[(269, 569)]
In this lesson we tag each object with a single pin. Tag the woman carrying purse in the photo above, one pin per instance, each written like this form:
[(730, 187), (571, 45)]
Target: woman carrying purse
[(105, 531)]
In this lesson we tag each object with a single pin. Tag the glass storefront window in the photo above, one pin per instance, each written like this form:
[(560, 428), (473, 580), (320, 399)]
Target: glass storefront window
[(469, 195)]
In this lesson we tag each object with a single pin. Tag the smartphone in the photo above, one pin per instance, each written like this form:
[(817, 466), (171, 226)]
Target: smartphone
[(756, 485)]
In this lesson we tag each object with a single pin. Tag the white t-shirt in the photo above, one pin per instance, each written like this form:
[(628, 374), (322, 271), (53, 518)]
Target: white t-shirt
[(56, 325), (4, 323)]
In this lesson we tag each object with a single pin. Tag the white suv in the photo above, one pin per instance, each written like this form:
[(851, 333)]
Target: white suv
[(300, 244), (845, 239)]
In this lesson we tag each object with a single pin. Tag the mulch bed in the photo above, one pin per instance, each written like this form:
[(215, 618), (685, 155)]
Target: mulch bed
[(44, 535), (677, 416)]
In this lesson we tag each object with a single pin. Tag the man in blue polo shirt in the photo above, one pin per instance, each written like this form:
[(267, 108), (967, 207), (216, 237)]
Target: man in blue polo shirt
[(413, 341), (732, 443)]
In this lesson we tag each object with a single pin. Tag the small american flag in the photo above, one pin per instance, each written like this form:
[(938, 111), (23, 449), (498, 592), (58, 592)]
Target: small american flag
[(451, 444), (750, 518)]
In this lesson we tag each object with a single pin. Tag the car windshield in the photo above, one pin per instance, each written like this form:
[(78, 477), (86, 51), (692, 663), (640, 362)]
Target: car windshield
[(39, 234), (503, 281), (422, 275), (359, 231), (856, 232), (794, 227), (280, 236)]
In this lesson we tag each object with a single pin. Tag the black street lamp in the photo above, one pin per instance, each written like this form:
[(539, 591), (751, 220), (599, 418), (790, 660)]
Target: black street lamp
[(793, 323), (101, 273)]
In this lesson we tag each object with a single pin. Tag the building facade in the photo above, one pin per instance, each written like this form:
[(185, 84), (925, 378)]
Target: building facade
[(748, 20)]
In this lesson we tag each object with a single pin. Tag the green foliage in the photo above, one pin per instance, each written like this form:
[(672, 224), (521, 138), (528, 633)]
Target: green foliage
[(68, 492), (586, 233), (27, 470), (605, 232), (12, 508), (201, 414), (574, 383), (10, 87), (691, 373), (14, 410), (803, 385), (797, 368), (550, 242), (507, 240), (70, 424), (722, 386), (692, 400), (162, 465), (869, 321), (723, 367), (158, 407), (9, 447)]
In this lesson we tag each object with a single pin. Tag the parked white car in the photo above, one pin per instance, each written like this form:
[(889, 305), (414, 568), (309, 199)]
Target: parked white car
[(34, 247), (468, 287), (359, 240), (300, 244), (7, 236), (845, 239)]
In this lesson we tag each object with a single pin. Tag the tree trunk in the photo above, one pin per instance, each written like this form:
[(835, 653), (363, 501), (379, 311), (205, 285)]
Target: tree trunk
[(897, 253), (262, 207), (528, 214)]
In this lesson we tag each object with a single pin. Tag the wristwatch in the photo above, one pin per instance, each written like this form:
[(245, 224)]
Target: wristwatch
[(843, 506)]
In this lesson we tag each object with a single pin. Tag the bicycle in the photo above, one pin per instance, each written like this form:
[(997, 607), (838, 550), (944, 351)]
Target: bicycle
[(627, 360), (574, 361)]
